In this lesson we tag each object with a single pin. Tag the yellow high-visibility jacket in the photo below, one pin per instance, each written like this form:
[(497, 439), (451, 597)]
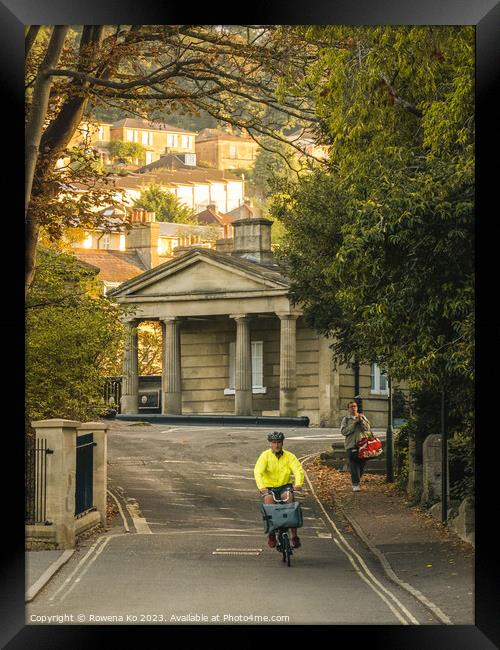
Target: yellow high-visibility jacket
[(271, 471)]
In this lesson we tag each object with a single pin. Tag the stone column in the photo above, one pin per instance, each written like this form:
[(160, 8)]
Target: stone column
[(130, 385), (171, 402), (328, 381), (288, 365), (100, 467), (243, 366), (61, 476)]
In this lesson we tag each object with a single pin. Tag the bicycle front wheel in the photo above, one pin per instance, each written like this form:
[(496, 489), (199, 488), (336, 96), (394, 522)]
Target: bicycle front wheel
[(287, 550)]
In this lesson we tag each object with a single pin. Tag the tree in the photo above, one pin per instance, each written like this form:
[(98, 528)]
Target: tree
[(165, 204), (73, 333), (392, 246), (232, 73), (126, 152), (380, 246)]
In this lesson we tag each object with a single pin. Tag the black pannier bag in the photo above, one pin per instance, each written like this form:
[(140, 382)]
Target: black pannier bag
[(277, 515)]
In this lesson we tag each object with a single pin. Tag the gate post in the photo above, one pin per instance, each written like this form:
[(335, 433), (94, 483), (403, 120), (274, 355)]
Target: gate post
[(61, 476), (100, 468)]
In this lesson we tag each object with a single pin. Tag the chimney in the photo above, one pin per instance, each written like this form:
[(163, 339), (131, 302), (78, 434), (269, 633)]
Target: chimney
[(143, 237), (252, 240), (224, 245)]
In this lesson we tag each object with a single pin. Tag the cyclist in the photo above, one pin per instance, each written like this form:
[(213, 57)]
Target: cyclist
[(272, 473)]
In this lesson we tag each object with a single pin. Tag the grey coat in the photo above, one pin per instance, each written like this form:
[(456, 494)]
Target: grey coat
[(352, 430)]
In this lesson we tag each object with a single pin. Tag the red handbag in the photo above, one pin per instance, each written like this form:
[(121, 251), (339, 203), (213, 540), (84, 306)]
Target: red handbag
[(369, 447)]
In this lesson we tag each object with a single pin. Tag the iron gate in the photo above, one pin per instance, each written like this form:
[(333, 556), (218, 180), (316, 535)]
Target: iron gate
[(36, 451), (84, 493), (112, 392)]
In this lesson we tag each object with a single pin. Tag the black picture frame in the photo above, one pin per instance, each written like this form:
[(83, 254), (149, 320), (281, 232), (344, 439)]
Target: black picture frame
[(485, 15)]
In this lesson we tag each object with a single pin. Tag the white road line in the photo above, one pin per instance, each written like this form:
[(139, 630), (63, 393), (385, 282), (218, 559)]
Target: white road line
[(87, 567), (82, 561), (404, 585), (125, 524), (372, 586), (362, 563), (235, 553)]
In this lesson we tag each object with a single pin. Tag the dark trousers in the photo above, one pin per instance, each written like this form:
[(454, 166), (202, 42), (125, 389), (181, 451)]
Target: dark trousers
[(356, 465)]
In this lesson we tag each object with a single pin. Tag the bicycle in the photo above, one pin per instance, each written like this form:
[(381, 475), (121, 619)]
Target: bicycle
[(283, 545)]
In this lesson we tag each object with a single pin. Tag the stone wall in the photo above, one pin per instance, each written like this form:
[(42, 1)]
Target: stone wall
[(205, 366), (431, 470)]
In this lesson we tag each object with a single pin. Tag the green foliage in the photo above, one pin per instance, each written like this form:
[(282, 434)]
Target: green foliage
[(72, 333), (165, 204), (126, 152), (380, 246), (461, 465), (273, 164)]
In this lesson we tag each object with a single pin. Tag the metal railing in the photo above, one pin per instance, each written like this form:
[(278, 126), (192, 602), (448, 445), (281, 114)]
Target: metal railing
[(84, 479), (112, 392), (36, 452)]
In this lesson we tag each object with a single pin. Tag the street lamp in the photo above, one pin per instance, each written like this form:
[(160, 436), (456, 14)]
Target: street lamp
[(444, 463), (389, 471)]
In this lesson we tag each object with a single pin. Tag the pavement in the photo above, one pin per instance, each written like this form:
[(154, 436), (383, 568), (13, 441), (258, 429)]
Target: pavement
[(415, 551)]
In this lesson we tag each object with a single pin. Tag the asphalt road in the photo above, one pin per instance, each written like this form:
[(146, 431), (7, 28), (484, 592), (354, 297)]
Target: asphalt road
[(196, 552)]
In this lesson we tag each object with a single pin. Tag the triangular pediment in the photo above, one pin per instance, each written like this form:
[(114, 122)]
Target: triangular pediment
[(201, 272)]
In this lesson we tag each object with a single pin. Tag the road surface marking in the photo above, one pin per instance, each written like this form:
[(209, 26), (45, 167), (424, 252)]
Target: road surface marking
[(234, 553), (360, 560), (82, 561), (239, 549), (87, 567), (396, 613), (125, 524)]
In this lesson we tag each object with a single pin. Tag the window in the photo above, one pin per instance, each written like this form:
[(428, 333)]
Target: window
[(257, 368), (106, 241), (122, 242), (101, 133), (171, 140), (233, 151), (130, 135), (87, 242), (149, 157), (147, 137), (185, 141), (378, 380)]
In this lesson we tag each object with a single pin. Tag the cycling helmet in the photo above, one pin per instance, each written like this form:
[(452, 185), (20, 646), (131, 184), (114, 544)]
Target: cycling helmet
[(275, 435)]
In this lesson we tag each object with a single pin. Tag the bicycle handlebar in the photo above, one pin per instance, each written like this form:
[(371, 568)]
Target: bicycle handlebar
[(288, 491)]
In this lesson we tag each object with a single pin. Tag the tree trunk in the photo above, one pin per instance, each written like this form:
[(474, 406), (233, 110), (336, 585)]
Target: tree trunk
[(38, 110), (52, 143)]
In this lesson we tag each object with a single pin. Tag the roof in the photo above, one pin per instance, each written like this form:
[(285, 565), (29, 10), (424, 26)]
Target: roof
[(218, 134), (214, 217), (167, 228), (241, 212), (269, 272), (114, 266), (152, 126), (181, 177), (168, 161)]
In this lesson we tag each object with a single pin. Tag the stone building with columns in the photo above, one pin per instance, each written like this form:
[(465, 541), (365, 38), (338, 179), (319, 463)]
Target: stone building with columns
[(232, 341)]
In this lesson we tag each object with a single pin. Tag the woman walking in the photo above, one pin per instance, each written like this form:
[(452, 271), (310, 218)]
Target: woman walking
[(354, 426)]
